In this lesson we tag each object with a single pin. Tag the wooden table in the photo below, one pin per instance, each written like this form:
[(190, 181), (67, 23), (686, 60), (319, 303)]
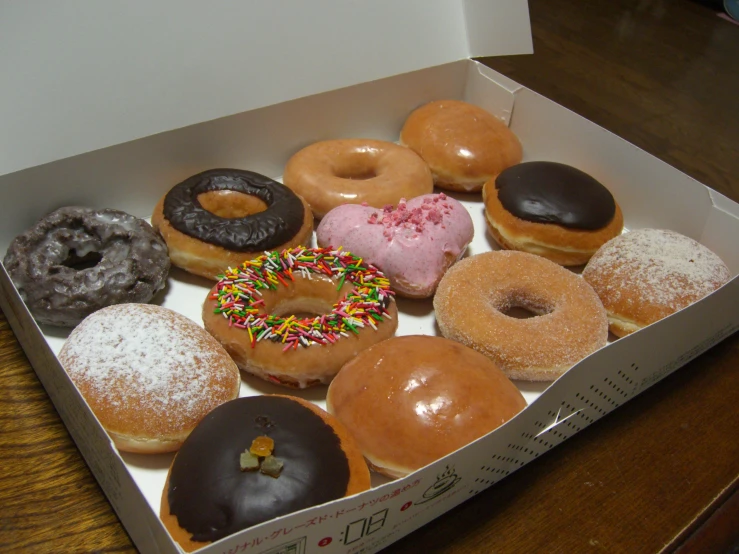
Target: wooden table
[(658, 474)]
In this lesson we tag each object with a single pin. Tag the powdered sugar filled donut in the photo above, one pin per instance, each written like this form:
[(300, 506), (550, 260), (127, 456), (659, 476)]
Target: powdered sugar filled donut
[(149, 374)]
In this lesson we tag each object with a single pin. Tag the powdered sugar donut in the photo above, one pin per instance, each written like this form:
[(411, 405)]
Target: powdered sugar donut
[(648, 274), (413, 245), (149, 374)]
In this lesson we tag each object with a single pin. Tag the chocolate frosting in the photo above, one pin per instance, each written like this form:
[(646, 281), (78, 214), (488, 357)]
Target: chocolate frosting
[(212, 498), (265, 230), (549, 192)]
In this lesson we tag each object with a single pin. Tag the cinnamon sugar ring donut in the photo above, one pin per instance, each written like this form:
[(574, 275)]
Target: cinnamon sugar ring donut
[(647, 274), (552, 210), (207, 496), (475, 294), (463, 144), (261, 313), (219, 218), (354, 171)]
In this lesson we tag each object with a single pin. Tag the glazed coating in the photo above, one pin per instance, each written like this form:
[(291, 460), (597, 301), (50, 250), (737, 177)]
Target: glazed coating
[(647, 274), (473, 296), (411, 400), (321, 463), (148, 374), (221, 217), (413, 245), (463, 144), (354, 171), (303, 324), (558, 212), (77, 260)]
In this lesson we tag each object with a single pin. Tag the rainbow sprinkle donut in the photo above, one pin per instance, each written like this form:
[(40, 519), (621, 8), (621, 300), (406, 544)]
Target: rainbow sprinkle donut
[(238, 303)]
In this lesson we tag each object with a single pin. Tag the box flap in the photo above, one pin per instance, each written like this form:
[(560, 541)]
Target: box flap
[(82, 75)]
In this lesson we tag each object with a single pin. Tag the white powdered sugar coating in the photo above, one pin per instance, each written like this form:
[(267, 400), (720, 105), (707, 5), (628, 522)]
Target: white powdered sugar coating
[(655, 267), (150, 361)]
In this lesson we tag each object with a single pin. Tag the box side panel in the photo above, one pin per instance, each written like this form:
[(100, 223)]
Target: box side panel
[(124, 71), (502, 27), (143, 526), (134, 175)]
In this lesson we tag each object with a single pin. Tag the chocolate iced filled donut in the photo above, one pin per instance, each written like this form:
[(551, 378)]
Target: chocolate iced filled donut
[(551, 209), (77, 260), (221, 217), (297, 456)]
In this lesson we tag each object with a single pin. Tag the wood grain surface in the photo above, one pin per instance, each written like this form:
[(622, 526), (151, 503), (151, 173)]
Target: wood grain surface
[(660, 473)]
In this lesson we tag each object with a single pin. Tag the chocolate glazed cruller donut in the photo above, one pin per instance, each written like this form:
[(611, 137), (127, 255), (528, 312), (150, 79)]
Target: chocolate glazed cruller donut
[(77, 260), (244, 214)]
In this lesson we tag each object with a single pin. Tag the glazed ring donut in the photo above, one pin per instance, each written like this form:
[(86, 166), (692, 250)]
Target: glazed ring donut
[(475, 294), (647, 274), (356, 171), (77, 260), (221, 217), (463, 144), (552, 210), (260, 312), (148, 374), (207, 497)]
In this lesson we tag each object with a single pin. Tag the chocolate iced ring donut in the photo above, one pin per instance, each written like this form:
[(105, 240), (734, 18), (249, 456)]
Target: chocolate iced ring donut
[(221, 217), (78, 260)]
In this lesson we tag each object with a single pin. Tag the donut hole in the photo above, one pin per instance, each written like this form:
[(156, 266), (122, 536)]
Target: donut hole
[(359, 165), (524, 306), (230, 204), (80, 262), (305, 298)]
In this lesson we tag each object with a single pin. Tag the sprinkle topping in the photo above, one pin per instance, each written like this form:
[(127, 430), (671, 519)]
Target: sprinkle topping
[(238, 295)]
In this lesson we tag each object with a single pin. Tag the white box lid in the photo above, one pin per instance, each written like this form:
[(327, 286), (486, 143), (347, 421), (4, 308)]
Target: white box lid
[(82, 74)]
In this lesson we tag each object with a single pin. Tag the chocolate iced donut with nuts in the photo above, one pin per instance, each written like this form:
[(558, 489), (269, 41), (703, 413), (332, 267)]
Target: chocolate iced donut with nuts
[(77, 260), (211, 493), (221, 217)]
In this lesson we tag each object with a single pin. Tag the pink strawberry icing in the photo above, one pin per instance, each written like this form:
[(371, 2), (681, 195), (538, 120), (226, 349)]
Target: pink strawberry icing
[(413, 244)]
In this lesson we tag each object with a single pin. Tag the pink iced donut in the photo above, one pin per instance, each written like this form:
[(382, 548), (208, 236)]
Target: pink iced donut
[(413, 244)]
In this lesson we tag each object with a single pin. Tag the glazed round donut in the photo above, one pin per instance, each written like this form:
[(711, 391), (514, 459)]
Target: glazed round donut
[(221, 217), (413, 245), (647, 274), (475, 294), (427, 397), (356, 171), (463, 144), (77, 260), (261, 312), (148, 374), (321, 462), (552, 210)]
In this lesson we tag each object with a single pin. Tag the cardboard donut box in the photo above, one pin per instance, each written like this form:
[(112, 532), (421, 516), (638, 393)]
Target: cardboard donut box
[(121, 102)]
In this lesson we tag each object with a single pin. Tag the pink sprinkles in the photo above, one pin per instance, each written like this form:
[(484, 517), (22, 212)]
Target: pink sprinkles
[(432, 211), (238, 296)]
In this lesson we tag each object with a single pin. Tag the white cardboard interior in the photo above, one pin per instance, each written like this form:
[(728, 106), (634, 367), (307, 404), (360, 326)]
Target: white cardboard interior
[(134, 175), (85, 75)]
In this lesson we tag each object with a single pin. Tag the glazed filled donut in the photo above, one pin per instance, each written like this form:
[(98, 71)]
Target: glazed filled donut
[(264, 314), (356, 171), (148, 374), (475, 294), (409, 401), (77, 260), (463, 144), (219, 218), (551, 209), (304, 457), (647, 274), (413, 245)]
